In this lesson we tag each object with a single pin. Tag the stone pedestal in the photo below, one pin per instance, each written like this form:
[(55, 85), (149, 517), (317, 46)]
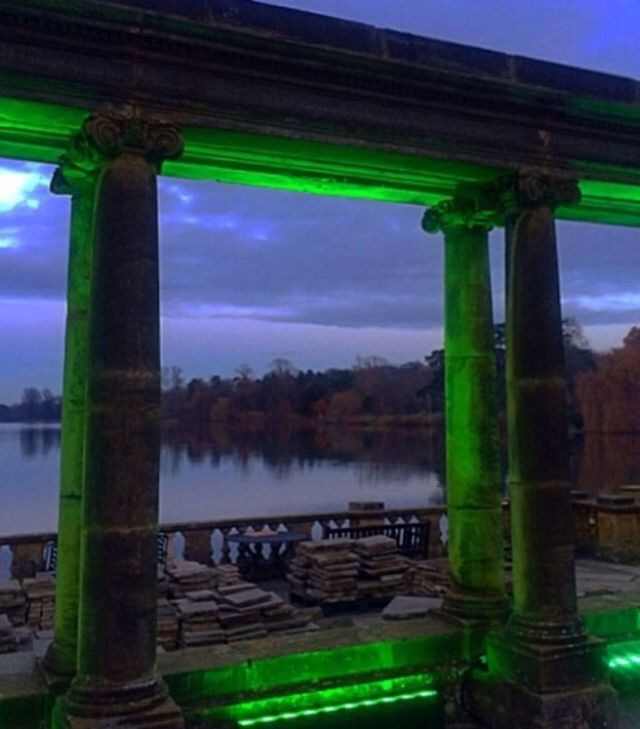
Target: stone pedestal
[(366, 513), (197, 546), (504, 704), (120, 713)]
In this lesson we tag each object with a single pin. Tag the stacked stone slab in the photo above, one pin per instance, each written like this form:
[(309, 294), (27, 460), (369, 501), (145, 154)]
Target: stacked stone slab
[(163, 584), (13, 602), (189, 577), (167, 625), (325, 571), (240, 610), (41, 594), (429, 578), (383, 572), (285, 619), (226, 574), (8, 640), (198, 613)]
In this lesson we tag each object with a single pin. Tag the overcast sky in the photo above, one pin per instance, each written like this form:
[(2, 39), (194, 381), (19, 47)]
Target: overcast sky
[(249, 275)]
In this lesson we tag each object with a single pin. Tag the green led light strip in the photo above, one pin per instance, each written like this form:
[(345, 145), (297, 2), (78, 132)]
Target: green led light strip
[(629, 660), (336, 707)]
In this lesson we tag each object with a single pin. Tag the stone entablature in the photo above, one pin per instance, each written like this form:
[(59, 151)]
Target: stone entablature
[(277, 97)]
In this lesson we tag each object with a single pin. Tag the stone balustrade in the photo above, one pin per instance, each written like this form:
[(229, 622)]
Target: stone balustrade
[(208, 541), (607, 527)]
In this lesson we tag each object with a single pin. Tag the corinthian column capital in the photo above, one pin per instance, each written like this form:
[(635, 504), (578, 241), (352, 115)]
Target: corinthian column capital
[(106, 135), (471, 206), (532, 189)]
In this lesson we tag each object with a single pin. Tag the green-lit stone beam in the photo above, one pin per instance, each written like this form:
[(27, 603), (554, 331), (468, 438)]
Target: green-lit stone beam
[(473, 456), (70, 179), (281, 98), (116, 681)]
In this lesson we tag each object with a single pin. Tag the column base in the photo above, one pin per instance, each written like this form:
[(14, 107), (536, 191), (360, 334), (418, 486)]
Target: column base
[(504, 705), (55, 665), (547, 668), (144, 705), (480, 608), (544, 686), (537, 632)]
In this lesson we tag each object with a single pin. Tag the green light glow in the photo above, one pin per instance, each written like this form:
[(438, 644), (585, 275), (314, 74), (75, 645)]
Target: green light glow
[(312, 702), (349, 706), (628, 661)]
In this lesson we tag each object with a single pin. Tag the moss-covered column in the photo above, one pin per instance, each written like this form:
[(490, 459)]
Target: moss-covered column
[(471, 419), (71, 180), (116, 682), (543, 552)]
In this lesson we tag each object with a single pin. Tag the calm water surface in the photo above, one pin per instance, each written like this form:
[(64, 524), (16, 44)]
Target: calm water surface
[(229, 475), (241, 474)]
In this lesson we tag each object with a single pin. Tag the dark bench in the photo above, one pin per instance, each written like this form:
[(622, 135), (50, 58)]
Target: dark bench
[(412, 539)]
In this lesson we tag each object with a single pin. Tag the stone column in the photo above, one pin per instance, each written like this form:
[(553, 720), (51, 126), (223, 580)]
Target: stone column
[(544, 590), (544, 671), (116, 682), (70, 180), (472, 446)]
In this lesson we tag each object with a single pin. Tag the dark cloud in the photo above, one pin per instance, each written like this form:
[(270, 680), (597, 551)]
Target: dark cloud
[(298, 258), (241, 254)]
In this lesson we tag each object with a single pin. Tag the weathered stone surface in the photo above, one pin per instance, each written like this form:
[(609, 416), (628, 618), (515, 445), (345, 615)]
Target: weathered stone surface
[(473, 458), (543, 554), (409, 608)]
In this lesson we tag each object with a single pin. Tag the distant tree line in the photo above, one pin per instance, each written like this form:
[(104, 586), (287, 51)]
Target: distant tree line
[(603, 391), (371, 389), (36, 406)]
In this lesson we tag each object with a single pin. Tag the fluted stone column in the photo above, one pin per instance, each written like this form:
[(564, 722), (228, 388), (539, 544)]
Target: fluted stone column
[(116, 684), (80, 184), (545, 608), (472, 447)]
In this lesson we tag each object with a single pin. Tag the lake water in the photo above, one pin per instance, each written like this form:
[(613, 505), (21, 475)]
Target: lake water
[(296, 471), (237, 475)]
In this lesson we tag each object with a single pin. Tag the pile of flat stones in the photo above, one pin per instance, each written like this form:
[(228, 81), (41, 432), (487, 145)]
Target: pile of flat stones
[(325, 571), (198, 614), (167, 625), (188, 576), (13, 602), (429, 578), (210, 605), (345, 570), (41, 596), (8, 639), (383, 572)]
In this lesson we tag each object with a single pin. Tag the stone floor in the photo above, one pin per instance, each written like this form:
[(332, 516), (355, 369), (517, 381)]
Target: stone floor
[(594, 577), (600, 586)]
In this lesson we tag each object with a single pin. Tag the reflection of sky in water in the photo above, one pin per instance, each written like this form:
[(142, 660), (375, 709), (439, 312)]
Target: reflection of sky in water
[(209, 488)]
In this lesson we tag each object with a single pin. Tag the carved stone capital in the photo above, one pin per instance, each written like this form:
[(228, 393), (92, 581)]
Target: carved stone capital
[(531, 189), (106, 135), (471, 206), (69, 179)]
